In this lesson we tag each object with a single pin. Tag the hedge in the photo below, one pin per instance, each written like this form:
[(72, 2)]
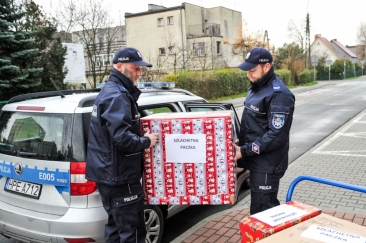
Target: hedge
[(217, 83)]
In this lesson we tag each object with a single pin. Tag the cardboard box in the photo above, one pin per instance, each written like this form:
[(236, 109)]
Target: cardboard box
[(193, 163), (261, 225), (320, 229)]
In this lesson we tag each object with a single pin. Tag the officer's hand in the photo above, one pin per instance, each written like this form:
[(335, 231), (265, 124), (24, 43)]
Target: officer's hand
[(237, 152), (154, 137)]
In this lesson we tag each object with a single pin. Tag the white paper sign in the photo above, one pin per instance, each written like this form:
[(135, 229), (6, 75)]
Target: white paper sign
[(185, 148), (74, 63), (327, 235), (280, 214)]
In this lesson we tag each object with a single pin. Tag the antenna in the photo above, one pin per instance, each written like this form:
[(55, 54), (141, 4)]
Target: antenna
[(62, 95)]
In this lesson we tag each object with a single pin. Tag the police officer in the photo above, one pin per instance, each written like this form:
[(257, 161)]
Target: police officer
[(264, 129), (115, 145)]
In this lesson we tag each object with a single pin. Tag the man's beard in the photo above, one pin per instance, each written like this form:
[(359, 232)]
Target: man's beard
[(128, 75)]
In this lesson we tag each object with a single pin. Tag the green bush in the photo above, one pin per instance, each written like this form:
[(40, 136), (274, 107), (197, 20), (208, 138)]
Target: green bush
[(217, 83), (306, 76), (285, 76)]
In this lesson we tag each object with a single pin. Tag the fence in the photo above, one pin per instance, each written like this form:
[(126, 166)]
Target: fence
[(339, 76)]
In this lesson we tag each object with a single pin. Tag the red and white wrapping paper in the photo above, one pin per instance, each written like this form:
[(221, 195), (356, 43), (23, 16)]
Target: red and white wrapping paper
[(177, 183)]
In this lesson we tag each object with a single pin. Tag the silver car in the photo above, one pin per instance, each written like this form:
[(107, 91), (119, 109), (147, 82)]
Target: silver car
[(44, 196)]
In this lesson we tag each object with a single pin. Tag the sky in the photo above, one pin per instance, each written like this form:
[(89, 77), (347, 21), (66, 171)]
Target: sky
[(333, 19)]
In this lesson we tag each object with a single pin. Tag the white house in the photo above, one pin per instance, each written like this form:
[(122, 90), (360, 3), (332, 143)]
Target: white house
[(331, 50)]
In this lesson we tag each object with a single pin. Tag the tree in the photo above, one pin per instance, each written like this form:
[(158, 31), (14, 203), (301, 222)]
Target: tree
[(290, 56), (51, 51), (296, 32), (361, 37), (91, 24), (245, 41), (19, 66)]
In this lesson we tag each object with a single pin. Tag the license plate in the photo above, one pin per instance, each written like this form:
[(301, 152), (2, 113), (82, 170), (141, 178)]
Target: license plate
[(23, 188)]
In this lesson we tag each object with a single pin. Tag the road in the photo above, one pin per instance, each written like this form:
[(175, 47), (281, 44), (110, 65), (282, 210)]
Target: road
[(319, 110)]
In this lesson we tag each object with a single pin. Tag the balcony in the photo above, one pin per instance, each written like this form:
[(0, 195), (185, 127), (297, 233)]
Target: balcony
[(198, 30)]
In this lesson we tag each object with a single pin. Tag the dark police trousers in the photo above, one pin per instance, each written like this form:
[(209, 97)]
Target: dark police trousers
[(264, 190), (124, 205)]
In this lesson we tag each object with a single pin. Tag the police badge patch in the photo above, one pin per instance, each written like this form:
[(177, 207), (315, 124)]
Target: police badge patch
[(255, 148), (278, 120)]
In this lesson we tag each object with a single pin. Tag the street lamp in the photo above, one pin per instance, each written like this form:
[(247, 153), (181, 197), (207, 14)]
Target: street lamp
[(362, 62), (329, 62)]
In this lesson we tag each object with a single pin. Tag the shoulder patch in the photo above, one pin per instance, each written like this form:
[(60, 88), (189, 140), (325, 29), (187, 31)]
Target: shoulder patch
[(276, 85), (278, 120)]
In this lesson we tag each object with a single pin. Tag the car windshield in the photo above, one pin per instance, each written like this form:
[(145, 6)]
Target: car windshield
[(35, 135)]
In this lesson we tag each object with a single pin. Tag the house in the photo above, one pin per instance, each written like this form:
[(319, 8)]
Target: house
[(330, 50), (184, 37), (100, 45), (359, 50)]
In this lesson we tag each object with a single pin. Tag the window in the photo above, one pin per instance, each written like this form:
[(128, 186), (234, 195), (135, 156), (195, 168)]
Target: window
[(156, 110), (105, 38), (41, 136), (103, 60), (170, 20), (160, 22), (171, 50), (162, 51), (218, 47), (199, 49)]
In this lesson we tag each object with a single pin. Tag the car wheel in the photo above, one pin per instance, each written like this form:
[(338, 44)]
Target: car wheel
[(154, 222)]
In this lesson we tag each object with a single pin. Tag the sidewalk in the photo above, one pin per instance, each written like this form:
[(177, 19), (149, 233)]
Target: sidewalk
[(339, 157)]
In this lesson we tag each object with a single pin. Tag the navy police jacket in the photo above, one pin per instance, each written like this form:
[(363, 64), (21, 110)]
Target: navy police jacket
[(115, 145), (265, 125)]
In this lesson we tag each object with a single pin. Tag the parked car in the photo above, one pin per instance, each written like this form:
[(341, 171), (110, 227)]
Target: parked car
[(44, 196)]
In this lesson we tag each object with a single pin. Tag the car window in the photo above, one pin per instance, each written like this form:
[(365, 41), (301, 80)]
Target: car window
[(193, 109), (35, 135), (155, 110)]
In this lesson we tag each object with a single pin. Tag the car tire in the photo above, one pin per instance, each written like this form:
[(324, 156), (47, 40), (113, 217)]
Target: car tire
[(154, 222)]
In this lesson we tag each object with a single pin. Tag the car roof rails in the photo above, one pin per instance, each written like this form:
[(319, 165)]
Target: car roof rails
[(23, 97)]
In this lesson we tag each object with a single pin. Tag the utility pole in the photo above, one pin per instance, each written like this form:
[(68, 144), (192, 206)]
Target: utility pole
[(265, 38), (307, 40)]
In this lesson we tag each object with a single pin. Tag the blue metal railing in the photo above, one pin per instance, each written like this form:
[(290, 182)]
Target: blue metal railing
[(323, 181)]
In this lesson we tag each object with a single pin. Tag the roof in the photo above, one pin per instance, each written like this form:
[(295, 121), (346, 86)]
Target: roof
[(346, 50), (129, 15), (328, 44)]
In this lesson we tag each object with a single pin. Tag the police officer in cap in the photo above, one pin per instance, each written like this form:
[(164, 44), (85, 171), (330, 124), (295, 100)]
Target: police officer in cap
[(264, 129), (115, 145)]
